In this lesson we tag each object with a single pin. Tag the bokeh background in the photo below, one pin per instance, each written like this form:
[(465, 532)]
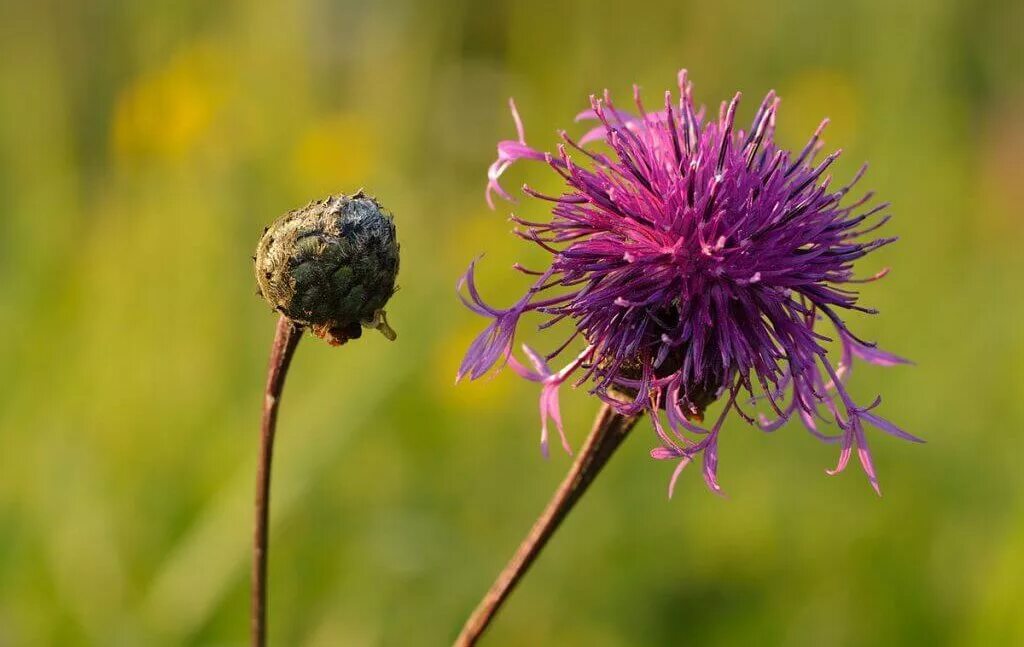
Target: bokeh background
[(144, 146)]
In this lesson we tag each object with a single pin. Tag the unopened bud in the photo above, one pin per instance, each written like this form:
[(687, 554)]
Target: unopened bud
[(331, 266)]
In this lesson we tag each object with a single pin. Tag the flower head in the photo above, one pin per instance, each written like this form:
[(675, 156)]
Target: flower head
[(697, 261), (331, 266)]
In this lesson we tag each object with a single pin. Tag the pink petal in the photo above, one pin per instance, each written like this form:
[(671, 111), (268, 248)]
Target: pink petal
[(888, 427), (675, 475)]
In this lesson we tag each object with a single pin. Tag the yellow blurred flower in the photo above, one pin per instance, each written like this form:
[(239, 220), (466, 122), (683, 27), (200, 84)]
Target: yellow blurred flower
[(166, 112), (334, 154)]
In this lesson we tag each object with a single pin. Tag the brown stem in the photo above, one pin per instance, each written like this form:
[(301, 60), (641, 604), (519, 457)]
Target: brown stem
[(610, 429), (285, 340)]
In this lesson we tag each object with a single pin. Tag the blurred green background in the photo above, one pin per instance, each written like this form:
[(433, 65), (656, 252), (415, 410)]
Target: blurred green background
[(143, 147)]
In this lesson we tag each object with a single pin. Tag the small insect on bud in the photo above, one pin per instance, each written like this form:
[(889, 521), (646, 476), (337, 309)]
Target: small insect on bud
[(331, 266)]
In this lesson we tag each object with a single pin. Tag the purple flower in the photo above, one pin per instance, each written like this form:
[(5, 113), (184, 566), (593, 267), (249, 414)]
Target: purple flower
[(695, 261)]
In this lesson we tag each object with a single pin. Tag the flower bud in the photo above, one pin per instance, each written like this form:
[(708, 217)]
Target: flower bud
[(331, 265)]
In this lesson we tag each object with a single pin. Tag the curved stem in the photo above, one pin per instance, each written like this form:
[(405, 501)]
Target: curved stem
[(610, 429), (285, 340)]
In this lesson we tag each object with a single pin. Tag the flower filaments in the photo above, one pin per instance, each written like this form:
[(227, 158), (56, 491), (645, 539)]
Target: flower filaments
[(331, 266), (697, 261)]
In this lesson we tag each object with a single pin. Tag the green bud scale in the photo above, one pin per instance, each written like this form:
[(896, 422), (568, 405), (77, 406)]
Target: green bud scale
[(331, 265)]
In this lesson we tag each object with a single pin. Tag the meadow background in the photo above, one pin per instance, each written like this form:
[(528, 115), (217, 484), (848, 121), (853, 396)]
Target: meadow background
[(143, 148)]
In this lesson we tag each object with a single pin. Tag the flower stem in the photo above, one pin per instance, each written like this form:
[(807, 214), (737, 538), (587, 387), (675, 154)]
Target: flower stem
[(610, 429), (285, 341)]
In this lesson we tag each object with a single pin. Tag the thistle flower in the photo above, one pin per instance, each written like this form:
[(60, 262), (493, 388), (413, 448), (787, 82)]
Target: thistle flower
[(697, 262)]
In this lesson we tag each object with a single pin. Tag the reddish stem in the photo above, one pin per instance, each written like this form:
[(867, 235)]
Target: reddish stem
[(610, 429), (286, 338)]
